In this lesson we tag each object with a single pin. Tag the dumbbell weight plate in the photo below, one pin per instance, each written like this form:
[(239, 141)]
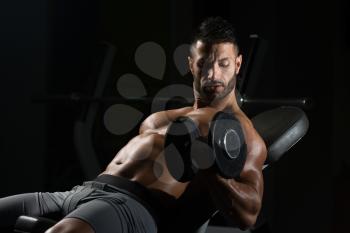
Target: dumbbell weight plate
[(178, 143), (227, 141)]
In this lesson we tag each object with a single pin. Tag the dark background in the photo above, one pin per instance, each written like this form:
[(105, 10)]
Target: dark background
[(54, 47)]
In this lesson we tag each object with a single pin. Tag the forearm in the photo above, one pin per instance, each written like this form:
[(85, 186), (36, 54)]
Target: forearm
[(237, 199)]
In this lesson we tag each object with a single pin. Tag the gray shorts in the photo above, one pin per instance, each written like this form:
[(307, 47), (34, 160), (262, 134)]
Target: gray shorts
[(106, 208), (109, 210)]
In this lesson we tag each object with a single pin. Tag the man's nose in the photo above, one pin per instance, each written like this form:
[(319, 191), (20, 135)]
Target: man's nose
[(213, 72)]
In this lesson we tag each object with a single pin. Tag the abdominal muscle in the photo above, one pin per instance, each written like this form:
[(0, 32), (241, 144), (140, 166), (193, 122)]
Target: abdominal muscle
[(142, 160)]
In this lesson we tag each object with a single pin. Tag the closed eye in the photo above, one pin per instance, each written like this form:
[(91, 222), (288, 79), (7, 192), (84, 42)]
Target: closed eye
[(224, 64)]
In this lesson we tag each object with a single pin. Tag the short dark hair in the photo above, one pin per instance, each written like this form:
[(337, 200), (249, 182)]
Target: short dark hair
[(215, 30)]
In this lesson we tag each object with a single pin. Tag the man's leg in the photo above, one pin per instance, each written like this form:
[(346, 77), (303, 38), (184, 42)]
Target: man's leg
[(13, 206), (117, 213), (32, 204), (71, 225)]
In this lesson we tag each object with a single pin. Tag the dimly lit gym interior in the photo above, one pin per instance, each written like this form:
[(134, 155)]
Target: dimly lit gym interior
[(55, 53)]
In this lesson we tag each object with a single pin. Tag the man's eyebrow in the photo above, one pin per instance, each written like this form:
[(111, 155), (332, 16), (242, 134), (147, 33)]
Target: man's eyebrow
[(224, 59)]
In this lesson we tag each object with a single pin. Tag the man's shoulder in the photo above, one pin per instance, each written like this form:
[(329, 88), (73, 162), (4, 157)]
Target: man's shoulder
[(254, 141), (161, 118), (171, 113)]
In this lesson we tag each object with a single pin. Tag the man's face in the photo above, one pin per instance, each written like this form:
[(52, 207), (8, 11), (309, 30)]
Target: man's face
[(214, 69)]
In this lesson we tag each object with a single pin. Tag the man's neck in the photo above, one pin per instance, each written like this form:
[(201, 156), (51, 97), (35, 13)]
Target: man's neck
[(229, 102)]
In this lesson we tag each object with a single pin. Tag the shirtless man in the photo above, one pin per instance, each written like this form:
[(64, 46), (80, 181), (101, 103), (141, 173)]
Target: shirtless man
[(136, 193)]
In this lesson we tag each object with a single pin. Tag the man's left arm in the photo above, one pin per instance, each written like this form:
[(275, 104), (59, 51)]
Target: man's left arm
[(240, 199)]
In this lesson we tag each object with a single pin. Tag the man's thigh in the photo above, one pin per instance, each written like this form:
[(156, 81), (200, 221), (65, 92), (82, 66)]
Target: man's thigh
[(32, 204), (115, 214), (23, 204)]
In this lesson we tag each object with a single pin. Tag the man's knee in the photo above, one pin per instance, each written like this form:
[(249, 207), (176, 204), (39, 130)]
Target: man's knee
[(71, 225)]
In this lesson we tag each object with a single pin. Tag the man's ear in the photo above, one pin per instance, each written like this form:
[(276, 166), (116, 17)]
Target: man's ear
[(190, 63), (238, 63)]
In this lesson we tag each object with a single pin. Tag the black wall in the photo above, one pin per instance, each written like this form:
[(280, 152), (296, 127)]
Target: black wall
[(52, 47), (24, 52)]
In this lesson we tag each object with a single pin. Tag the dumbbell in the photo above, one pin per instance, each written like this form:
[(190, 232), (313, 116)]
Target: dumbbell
[(224, 149)]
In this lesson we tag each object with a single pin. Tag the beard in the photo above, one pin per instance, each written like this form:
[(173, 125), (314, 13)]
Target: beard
[(207, 90)]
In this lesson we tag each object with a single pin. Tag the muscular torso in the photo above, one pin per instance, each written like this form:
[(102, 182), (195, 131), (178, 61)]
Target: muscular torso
[(142, 159)]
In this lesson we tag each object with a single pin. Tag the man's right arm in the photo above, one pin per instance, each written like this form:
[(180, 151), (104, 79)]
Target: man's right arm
[(155, 121), (161, 119), (148, 123)]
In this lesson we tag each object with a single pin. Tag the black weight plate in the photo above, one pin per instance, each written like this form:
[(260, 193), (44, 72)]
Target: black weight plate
[(228, 143), (178, 141)]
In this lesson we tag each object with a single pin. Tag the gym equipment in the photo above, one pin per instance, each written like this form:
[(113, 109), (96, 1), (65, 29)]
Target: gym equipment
[(227, 141), (26, 224), (281, 127), (178, 143), (224, 150)]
